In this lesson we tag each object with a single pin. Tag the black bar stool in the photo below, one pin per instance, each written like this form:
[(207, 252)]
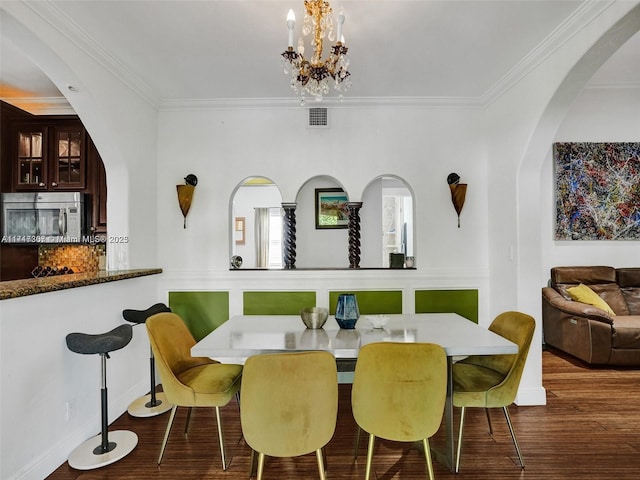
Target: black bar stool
[(154, 403), (98, 451)]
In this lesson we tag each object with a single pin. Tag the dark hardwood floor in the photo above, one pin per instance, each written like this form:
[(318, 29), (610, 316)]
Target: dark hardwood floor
[(590, 428)]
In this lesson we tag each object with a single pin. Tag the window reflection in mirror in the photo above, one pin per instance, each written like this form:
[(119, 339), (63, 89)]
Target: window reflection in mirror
[(386, 221), (256, 224)]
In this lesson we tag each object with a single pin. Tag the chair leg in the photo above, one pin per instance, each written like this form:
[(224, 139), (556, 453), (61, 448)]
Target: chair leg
[(252, 463), (513, 435), (486, 411), (167, 432), (427, 456), (220, 438), (460, 439), (187, 423), (154, 402), (372, 440), (320, 464), (326, 460), (260, 465), (356, 445)]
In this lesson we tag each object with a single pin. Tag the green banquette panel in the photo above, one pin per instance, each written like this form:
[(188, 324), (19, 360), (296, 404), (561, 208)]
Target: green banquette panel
[(202, 312), (277, 303), (462, 302), (371, 302)]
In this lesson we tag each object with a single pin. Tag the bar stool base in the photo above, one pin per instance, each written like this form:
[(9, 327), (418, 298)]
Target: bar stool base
[(83, 458), (140, 408)]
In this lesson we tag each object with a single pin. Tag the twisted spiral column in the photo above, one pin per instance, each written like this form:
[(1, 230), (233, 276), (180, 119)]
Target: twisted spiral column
[(354, 233), (289, 241)]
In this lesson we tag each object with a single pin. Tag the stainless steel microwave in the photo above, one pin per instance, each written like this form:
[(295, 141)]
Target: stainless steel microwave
[(44, 217)]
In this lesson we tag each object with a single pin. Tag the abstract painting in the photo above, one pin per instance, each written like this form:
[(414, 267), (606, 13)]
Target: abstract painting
[(597, 191)]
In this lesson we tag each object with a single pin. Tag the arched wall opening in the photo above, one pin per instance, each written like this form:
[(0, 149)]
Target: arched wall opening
[(532, 270)]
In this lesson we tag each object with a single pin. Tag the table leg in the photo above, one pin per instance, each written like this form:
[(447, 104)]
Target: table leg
[(447, 458)]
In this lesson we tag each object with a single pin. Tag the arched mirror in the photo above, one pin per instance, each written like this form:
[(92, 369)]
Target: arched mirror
[(387, 223), (321, 224), (256, 225)]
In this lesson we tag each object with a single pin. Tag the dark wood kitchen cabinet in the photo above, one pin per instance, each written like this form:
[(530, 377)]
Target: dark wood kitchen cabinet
[(52, 153), (50, 157)]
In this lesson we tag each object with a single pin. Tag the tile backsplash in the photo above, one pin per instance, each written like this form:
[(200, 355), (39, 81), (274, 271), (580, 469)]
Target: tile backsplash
[(79, 258)]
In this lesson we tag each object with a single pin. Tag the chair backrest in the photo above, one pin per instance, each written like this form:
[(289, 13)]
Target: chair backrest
[(517, 327), (289, 402), (399, 390), (171, 342)]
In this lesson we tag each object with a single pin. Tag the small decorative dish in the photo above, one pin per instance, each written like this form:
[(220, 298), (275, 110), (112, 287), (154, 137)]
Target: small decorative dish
[(378, 321)]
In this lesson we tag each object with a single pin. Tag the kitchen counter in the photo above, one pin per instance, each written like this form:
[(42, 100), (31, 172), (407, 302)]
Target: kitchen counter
[(32, 286)]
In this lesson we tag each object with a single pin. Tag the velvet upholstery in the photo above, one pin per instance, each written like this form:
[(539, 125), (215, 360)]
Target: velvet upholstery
[(289, 404), (399, 392), (189, 381), (492, 381)]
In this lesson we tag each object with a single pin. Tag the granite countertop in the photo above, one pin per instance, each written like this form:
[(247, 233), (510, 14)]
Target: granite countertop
[(32, 286)]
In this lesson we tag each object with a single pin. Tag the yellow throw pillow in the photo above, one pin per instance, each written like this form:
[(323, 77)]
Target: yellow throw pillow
[(584, 294)]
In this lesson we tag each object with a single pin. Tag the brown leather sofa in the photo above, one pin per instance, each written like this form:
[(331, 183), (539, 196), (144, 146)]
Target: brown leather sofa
[(587, 332)]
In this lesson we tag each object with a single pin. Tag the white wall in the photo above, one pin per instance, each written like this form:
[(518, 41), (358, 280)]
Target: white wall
[(41, 380), (597, 115), (122, 124), (421, 145), (522, 125)]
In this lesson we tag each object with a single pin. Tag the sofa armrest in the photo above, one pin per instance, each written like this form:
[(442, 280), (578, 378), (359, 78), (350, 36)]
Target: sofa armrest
[(572, 307)]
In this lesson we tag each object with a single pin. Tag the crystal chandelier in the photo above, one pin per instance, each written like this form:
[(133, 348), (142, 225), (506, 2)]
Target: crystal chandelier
[(314, 77)]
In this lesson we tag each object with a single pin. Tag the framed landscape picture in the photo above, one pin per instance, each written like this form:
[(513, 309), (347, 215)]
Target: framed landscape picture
[(331, 208)]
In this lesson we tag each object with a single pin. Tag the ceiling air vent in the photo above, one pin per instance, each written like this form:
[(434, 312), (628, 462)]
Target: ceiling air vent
[(318, 117)]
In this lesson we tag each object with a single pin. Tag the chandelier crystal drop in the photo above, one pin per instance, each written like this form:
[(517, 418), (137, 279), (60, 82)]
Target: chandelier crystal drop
[(316, 76)]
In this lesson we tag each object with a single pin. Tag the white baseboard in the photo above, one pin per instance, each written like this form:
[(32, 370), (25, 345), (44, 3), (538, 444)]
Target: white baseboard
[(45, 464), (531, 396)]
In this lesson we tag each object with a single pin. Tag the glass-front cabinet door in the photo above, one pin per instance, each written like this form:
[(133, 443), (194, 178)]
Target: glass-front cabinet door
[(68, 162), (32, 158), (51, 157)]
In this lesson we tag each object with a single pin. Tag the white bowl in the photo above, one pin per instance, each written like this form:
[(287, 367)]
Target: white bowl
[(378, 321)]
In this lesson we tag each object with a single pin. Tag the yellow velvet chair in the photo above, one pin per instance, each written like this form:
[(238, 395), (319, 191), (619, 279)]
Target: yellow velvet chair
[(399, 392), (492, 381), (189, 381), (289, 404)]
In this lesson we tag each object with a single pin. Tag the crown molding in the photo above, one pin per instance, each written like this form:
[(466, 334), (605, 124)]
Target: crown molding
[(631, 85), (50, 13), (295, 102), (573, 24), (41, 105)]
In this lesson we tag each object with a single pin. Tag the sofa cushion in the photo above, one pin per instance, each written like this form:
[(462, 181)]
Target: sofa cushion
[(629, 282), (628, 277), (612, 294), (626, 331), (586, 275), (632, 297), (584, 294)]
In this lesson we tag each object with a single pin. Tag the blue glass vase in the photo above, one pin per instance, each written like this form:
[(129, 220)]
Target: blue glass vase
[(347, 312)]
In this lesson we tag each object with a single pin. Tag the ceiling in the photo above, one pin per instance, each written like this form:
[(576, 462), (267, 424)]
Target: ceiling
[(222, 51)]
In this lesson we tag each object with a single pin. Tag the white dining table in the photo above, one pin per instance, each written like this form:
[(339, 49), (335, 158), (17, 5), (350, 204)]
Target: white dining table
[(245, 335)]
